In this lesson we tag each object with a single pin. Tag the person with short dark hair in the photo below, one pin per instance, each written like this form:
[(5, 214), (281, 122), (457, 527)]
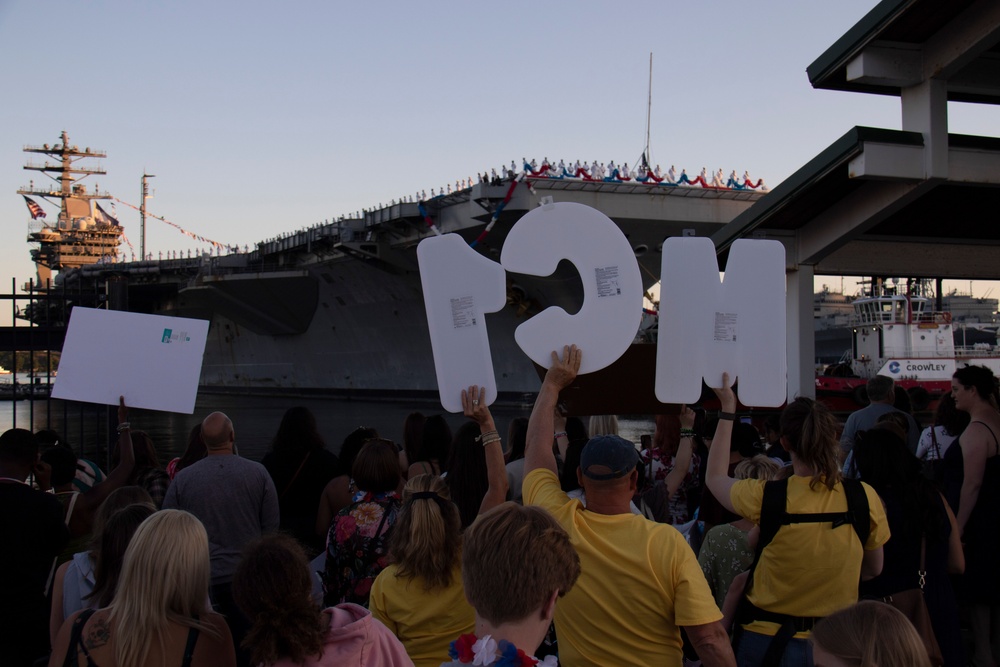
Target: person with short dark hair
[(882, 396), (517, 561), (358, 540), (339, 491), (31, 523), (641, 575), (88, 473)]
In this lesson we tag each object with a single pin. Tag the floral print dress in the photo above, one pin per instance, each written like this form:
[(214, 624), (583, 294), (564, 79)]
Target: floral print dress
[(688, 496), (357, 546)]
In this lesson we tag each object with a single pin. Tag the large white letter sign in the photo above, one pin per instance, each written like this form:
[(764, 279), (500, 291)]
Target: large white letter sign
[(612, 287), (459, 286), (707, 327)]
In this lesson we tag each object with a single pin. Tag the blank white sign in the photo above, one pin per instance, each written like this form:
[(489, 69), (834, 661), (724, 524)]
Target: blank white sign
[(151, 360)]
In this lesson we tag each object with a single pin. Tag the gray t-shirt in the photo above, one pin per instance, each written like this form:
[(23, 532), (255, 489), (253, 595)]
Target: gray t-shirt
[(865, 419), (234, 498)]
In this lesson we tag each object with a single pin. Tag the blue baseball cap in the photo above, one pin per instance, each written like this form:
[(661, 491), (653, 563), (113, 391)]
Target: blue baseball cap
[(608, 457)]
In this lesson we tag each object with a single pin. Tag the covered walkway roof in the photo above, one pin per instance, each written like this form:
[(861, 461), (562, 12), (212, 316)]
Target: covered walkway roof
[(919, 202)]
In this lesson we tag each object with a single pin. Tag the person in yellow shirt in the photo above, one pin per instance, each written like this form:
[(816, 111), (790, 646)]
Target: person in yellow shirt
[(420, 597), (809, 569), (639, 581)]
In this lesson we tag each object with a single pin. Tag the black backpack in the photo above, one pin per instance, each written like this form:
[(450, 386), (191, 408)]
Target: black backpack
[(774, 515)]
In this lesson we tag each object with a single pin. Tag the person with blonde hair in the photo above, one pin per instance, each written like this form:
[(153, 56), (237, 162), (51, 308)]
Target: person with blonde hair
[(868, 634), (273, 586), (517, 561), (420, 596), (74, 581), (159, 612), (603, 425), (815, 544)]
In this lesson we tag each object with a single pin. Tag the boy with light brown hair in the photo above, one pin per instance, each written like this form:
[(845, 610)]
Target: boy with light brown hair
[(516, 562)]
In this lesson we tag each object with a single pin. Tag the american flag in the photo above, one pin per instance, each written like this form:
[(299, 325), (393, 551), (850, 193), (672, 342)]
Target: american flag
[(35, 210), (103, 217)]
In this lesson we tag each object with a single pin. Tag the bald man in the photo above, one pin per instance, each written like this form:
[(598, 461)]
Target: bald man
[(236, 501)]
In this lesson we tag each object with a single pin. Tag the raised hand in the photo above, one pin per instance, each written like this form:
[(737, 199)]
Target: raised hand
[(563, 370), (727, 398), (122, 410), (687, 416), (474, 405)]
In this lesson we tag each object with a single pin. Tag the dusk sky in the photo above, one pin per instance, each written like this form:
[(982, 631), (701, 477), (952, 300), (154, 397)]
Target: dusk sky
[(262, 118)]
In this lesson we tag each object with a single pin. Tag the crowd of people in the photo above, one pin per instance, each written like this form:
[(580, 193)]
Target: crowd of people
[(806, 542)]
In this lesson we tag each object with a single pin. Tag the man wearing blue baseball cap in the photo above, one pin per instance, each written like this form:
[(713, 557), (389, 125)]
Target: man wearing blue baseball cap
[(639, 580)]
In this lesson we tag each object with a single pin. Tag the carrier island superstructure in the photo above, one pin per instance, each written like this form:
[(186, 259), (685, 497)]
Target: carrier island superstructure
[(336, 309)]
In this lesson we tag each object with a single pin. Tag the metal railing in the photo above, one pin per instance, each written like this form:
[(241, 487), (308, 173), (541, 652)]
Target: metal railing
[(38, 318)]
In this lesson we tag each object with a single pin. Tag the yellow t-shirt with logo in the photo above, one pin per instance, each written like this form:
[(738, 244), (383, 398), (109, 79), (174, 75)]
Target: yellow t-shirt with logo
[(808, 569), (639, 582), (425, 621)]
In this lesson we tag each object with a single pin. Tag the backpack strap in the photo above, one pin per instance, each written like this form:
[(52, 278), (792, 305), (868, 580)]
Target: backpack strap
[(858, 509), (192, 639), (71, 659), (772, 514)]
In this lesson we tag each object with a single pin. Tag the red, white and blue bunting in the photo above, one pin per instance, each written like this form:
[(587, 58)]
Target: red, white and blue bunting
[(197, 237), (645, 176), (493, 219)]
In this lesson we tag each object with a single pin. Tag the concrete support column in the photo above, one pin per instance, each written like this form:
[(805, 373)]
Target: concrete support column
[(925, 110), (800, 332)]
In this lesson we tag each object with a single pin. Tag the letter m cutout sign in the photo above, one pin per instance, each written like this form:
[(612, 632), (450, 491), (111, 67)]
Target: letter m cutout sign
[(709, 326)]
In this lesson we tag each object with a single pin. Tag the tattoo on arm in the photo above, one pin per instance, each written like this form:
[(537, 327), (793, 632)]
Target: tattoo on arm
[(98, 634)]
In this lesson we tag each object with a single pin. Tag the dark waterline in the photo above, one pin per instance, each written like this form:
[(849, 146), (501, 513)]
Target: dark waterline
[(88, 427)]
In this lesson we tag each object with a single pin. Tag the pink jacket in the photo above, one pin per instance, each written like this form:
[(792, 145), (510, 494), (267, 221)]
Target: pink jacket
[(356, 639)]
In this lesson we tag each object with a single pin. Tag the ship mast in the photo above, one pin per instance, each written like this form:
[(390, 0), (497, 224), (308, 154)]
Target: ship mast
[(81, 234)]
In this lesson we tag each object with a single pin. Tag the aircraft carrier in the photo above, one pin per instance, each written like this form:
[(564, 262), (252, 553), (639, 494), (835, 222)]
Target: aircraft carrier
[(336, 309)]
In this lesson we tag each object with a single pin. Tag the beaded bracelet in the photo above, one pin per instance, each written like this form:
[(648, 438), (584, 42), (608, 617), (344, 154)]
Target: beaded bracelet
[(560, 434), (489, 437), (124, 426), (687, 433)]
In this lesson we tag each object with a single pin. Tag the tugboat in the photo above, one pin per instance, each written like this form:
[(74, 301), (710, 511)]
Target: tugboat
[(903, 337)]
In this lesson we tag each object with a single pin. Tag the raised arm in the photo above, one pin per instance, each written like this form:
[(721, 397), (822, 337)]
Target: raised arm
[(538, 449), (93, 497), (682, 461), (474, 407), (717, 472)]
